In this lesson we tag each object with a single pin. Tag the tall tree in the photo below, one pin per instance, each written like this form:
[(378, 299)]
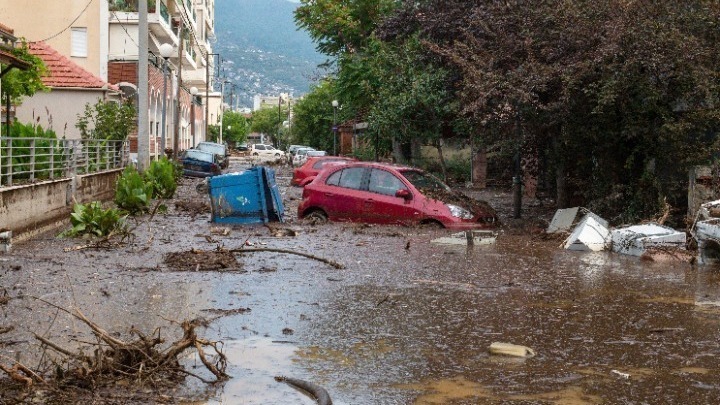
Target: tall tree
[(341, 26), (313, 117), (618, 94)]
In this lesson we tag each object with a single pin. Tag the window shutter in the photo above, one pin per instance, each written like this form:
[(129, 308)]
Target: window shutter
[(79, 43)]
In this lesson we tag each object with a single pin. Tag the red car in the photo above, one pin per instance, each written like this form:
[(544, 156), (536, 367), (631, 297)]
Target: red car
[(307, 172), (388, 194)]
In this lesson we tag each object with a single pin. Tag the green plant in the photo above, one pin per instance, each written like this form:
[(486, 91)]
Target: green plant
[(133, 194), (162, 175), (107, 120), (42, 154), (91, 219)]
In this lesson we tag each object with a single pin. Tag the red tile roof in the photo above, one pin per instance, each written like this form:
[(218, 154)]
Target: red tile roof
[(4, 28), (62, 72)]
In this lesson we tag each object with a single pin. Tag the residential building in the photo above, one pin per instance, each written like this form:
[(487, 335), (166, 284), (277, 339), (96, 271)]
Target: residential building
[(71, 88), (101, 36)]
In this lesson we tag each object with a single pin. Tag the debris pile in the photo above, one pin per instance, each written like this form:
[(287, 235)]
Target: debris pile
[(650, 241)]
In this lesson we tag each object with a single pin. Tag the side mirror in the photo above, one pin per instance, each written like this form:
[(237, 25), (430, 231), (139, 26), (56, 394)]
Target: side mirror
[(404, 194)]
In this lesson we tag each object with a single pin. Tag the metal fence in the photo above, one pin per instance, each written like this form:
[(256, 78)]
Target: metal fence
[(28, 160)]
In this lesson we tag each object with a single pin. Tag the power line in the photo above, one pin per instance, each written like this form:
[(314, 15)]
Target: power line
[(124, 29), (71, 24)]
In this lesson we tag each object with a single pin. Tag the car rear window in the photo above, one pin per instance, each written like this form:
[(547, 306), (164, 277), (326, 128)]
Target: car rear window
[(347, 178), (198, 155), (320, 163), (217, 149)]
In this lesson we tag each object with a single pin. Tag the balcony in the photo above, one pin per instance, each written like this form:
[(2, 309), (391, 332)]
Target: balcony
[(126, 12)]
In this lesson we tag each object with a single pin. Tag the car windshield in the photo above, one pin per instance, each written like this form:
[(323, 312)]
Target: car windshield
[(217, 149), (424, 181), (199, 155)]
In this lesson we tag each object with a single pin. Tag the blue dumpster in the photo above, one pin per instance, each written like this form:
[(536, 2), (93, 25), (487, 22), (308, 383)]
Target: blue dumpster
[(249, 197)]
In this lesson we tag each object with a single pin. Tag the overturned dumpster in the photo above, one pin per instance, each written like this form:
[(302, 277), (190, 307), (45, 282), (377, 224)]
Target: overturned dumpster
[(248, 197)]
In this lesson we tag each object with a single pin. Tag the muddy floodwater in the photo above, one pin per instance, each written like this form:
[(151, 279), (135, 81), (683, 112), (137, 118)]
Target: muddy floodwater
[(406, 321)]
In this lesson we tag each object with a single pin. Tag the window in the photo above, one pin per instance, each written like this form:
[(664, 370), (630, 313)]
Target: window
[(386, 183), (79, 42), (347, 178)]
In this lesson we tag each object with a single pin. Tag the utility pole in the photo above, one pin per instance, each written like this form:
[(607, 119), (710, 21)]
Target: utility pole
[(207, 92), (143, 134), (176, 138)]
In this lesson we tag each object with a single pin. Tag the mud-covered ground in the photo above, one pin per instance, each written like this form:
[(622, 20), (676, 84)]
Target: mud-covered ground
[(406, 321)]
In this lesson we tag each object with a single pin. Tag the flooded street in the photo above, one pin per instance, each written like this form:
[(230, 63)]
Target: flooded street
[(406, 321)]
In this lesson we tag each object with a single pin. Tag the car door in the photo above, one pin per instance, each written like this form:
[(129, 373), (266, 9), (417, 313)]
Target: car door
[(381, 203), (342, 195)]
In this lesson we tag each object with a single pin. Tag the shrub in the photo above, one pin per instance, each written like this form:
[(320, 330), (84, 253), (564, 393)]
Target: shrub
[(91, 219), (162, 176), (133, 194)]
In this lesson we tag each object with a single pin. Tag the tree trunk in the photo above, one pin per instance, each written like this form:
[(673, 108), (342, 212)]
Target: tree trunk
[(479, 168), (415, 152), (443, 166), (560, 175)]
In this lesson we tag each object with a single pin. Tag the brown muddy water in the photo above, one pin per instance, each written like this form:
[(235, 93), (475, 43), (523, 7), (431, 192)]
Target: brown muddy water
[(405, 322)]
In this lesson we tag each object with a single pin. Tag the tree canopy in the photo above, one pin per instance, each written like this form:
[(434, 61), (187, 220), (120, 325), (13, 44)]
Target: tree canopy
[(613, 101)]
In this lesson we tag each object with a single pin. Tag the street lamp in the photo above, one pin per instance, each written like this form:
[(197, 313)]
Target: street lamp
[(166, 50), (334, 128), (193, 93)]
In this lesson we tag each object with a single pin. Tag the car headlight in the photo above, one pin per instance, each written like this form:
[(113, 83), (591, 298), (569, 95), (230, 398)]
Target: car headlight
[(459, 212)]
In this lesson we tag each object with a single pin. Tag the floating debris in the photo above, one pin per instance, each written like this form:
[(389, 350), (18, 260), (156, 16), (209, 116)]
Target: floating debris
[(469, 238), (509, 349)]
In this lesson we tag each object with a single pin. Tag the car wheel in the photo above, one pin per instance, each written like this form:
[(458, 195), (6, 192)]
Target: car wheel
[(317, 217), (255, 154), (277, 155), (431, 224)]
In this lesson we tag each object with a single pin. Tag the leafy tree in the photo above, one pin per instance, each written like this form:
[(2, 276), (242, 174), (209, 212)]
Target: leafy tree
[(619, 95), (107, 120), (19, 83), (313, 117), (268, 121), (414, 102), (341, 26), (236, 127)]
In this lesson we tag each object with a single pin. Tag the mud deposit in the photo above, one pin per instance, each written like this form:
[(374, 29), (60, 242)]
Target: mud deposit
[(405, 321)]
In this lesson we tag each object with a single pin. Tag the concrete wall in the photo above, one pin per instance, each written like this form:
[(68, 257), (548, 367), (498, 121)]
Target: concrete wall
[(58, 110), (36, 208)]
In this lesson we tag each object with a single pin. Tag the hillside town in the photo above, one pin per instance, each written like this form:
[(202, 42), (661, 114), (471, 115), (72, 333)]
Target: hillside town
[(471, 203)]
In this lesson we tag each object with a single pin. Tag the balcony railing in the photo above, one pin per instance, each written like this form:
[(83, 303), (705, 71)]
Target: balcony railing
[(165, 13), (28, 160), (130, 6)]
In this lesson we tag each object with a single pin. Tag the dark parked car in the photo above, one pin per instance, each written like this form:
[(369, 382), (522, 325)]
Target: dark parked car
[(307, 172), (198, 163), (388, 194), (217, 148)]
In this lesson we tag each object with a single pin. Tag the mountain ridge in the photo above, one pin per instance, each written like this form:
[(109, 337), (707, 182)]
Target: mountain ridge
[(262, 50)]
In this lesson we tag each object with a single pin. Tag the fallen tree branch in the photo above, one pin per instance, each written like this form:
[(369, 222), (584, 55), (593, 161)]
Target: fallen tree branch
[(21, 374), (292, 252)]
